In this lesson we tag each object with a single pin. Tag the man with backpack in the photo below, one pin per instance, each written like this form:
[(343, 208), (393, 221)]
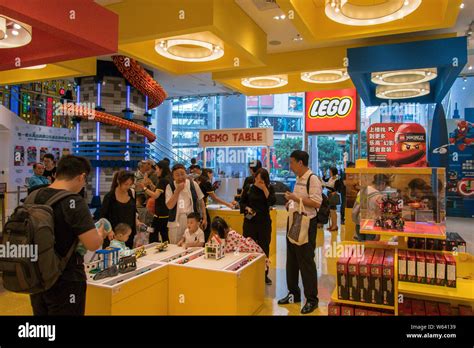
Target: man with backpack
[(55, 218), (300, 258)]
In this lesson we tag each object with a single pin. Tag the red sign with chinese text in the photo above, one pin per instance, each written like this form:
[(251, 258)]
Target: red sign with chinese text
[(396, 145), (331, 111)]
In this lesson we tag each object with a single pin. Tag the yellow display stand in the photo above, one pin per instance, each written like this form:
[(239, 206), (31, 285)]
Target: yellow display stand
[(236, 220), (207, 286), (142, 292)]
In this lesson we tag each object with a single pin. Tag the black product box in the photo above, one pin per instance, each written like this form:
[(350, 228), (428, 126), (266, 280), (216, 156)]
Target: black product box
[(364, 275), (420, 243), (411, 244), (440, 244), (353, 278), (451, 243), (430, 244), (376, 276), (342, 281), (461, 243), (388, 278)]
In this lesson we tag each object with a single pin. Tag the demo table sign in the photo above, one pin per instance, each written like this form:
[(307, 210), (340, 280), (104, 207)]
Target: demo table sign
[(236, 137)]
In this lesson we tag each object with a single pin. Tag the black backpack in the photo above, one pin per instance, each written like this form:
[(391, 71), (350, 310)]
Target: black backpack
[(322, 217), (32, 224)]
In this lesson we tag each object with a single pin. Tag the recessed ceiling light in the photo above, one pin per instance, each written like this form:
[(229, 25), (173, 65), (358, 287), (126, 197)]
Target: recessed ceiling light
[(189, 50), (470, 67), (35, 67), (461, 6), (298, 38), (402, 92), (325, 76), (404, 77), (359, 14), (465, 79), (276, 18), (265, 82), (282, 17), (464, 88), (15, 32), (274, 42), (17, 26)]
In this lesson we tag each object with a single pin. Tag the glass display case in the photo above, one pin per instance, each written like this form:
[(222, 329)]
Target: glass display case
[(403, 202)]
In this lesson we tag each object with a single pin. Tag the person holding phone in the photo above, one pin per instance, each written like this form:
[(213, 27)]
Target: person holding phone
[(255, 204)]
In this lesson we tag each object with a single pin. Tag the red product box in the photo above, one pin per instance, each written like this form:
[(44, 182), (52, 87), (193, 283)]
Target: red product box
[(411, 266), (461, 243), (388, 278), (465, 310), (440, 245), (364, 275), (387, 314), (450, 271), (334, 309), (347, 311), (373, 313), (404, 308), (430, 268), (440, 269), (360, 312), (444, 309), (402, 265), (353, 278), (431, 308), (376, 276), (420, 267), (418, 308), (342, 282)]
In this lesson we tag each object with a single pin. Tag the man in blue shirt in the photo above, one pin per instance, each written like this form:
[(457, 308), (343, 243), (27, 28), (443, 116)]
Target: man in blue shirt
[(37, 179)]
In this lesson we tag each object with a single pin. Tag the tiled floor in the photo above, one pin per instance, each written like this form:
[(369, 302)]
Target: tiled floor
[(15, 304)]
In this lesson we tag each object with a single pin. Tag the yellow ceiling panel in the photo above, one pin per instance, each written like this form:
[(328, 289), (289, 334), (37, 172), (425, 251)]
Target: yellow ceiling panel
[(310, 19), (61, 70), (142, 22)]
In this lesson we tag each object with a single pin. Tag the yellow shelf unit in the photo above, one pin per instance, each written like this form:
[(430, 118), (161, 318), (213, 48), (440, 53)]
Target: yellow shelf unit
[(362, 304), (464, 290)]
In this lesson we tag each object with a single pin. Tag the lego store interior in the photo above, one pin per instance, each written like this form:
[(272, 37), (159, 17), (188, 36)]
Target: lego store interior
[(237, 159)]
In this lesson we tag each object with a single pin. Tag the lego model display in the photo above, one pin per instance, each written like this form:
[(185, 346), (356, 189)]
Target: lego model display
[(105, 265), (190, 258), (127, 264), (161, 246), (242, 263), (390, 213), (139, 252), (180, 255), (453, 242), (403, 202), (215, 248)]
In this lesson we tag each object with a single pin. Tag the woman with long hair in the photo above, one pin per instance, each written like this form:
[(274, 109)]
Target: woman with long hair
[(160, 221), (119, 205), (205, 185), (255, 205)]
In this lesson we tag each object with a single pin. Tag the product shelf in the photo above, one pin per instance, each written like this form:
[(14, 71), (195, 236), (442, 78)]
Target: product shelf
[(412, 229), (464, 290), (334, 298)]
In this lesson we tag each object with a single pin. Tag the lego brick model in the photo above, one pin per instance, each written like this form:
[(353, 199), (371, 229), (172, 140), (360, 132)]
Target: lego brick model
[(214, 248), (376, 270), (390, 217)]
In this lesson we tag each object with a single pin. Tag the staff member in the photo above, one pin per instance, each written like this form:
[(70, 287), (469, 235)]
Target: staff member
[(300, 258), (50, 167), (183, 196), (255, 205)]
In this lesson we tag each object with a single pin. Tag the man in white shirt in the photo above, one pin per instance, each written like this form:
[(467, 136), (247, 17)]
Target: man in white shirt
[(300, 258), (182, 199)]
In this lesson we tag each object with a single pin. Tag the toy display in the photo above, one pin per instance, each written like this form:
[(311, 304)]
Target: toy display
[(127, 264), (242, 263), (161, 246), (391, 213), (190, 258), (139, 252), (105, 265), (178, 256), (215, 248)]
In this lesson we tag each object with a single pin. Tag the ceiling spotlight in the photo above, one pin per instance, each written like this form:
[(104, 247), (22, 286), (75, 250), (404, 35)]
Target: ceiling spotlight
[(282, 17), (461, 6), (265, 82), (470, 67), (189, 50), (402, 91), (276, 17), (464, 88), (298, 38), (404, 77), (17, 26), (464, 79), (15, 32), (358, 14), (325, 76)]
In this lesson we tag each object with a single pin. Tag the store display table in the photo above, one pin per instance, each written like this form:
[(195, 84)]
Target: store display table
[(412, 229), (217, 287)]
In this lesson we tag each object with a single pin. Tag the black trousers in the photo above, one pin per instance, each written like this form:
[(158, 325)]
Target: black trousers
[(207, 231), (343, 208), (300, 258), (64, 298), (161, 227), (259, 232)]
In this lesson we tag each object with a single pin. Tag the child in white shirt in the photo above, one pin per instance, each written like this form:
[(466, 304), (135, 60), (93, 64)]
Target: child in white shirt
[(193, 235)]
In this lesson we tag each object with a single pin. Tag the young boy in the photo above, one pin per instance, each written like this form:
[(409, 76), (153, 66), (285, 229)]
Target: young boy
[(122, 232), (193, 236)]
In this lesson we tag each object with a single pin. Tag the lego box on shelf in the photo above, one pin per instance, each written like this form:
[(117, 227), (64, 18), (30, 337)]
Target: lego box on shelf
[(420, 267), (411, 266), (431, 308), (342, 281), (404, 307), (444, 309), (347, 311), (450, 271), (430, 268), (353, 278), (440, 269), (402, 265), (334, 309), (388, 278), (376, 274), (364, 275), (418, 307)]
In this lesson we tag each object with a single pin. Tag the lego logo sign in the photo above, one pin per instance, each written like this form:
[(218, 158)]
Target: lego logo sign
[(331, 111)]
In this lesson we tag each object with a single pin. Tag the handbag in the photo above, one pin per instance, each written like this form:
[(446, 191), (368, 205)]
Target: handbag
[(334, 199), (299, 225)]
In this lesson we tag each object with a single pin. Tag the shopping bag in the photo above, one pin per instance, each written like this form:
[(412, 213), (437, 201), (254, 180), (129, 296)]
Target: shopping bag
[(299, 225)]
